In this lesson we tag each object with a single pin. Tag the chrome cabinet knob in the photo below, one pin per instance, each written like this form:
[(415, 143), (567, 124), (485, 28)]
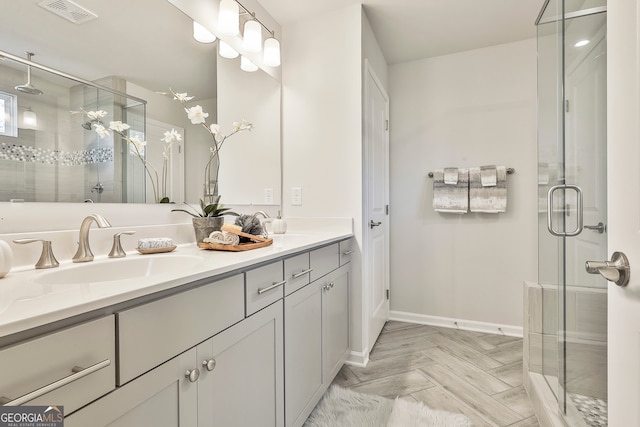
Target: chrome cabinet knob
[(209, 365), (192, 374)]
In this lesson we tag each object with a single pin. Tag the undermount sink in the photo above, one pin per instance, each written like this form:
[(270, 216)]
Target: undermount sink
[(110, 270)]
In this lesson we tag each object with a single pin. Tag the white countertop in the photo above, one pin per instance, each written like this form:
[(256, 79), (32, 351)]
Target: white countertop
[(28, 301)]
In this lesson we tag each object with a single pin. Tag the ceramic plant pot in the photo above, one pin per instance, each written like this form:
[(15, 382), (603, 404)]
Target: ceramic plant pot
[(203, 226)]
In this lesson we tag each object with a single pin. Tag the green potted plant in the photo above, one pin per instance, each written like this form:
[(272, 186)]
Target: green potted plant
[(208, 219)]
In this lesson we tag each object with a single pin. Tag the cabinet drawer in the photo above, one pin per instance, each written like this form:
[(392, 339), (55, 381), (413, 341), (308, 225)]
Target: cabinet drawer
[(324, 261), (296, 272), (264, 286), (86, 351), (150, 334), (347, 248)]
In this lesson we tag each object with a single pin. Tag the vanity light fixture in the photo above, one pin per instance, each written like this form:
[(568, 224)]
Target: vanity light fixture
[(252, 36), (247, 65), (228, 23), (271, 52), (226, 51), (201, 34), (229, 17)]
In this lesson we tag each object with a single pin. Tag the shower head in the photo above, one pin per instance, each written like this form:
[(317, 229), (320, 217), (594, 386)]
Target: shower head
[(28, 87)]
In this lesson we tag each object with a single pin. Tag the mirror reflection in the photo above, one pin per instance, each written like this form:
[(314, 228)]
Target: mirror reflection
[(125, 50)]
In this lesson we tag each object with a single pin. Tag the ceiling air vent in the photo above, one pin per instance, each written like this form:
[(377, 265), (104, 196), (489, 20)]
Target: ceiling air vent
[(69, 10)]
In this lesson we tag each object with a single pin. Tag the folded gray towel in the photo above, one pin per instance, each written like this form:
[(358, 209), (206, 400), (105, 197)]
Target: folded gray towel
[(451, 198), (488, 199)]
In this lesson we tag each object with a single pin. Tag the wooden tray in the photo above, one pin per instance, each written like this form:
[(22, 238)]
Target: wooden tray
[(235, 248)]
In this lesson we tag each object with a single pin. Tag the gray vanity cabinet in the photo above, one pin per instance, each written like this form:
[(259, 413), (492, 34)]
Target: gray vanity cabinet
[(241, 382), (316, 341), (303, 352), (163, 397)]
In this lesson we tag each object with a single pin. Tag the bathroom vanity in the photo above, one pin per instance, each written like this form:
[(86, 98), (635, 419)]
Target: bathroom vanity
[(231, 339)]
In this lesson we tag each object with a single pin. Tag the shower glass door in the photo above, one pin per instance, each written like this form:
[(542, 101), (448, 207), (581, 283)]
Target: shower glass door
[(572, 166)]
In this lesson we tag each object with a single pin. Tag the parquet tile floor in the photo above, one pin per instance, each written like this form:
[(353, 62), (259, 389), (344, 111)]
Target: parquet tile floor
[(477, 374)]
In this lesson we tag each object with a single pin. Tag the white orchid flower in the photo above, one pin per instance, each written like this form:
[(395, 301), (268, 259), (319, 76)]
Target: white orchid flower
[(96, 115), (243, 125), (101, 131), (138, 143), (171, 136), (196, 115), (118, 126), (182, 97), (216, 131)]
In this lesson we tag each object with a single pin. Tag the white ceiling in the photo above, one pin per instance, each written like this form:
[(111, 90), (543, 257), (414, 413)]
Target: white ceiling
[(413, 29)]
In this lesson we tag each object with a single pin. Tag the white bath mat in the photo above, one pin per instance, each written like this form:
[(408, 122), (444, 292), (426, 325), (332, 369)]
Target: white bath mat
[(341, 407)]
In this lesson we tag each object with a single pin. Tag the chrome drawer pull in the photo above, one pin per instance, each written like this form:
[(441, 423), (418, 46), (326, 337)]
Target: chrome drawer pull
[(268, 288), (349, 252), (302, 273), (78, 373)]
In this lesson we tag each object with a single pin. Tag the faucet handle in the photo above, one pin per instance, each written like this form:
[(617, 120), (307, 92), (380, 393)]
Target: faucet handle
[(116, 249), (47, 259)]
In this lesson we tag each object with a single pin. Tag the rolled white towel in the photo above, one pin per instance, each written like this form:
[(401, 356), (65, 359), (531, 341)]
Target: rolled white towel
[(222, 238)]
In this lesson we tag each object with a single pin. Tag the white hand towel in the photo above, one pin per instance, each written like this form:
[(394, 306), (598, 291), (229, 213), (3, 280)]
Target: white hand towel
[(451, 198), (451, 176), (488, 199), (488, 176)]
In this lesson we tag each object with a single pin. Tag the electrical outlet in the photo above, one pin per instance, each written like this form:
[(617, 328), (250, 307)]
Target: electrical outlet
[(268, 196), (296, 196)]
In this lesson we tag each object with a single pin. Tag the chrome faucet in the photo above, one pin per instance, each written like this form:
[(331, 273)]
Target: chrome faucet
[(262, 213), (84, 254)]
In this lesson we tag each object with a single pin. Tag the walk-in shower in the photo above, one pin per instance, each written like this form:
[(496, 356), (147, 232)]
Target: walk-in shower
[(571, 335)]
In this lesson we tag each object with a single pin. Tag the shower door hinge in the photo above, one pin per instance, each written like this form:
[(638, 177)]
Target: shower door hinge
[(566, 105), (386, 209), (388, 292)]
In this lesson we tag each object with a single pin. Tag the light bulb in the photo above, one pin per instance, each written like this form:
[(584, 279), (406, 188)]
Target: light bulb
[(581, 43), (227, 51), (29, 119), (201, 34), (271, 52), (252, 36), (229, 17), (247, 65)]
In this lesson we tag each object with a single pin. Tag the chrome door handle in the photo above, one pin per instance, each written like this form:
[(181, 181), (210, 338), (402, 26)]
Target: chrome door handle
[(579, 224), (600, 228), (374, 224), (617, 270)]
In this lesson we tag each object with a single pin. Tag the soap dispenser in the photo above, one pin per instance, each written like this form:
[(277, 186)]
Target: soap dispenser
[(279, 225)]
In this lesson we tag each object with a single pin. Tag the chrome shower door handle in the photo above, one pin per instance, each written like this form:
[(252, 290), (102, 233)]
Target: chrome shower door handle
[(600, 228), (617, 270), (374, 224), (579, 224)]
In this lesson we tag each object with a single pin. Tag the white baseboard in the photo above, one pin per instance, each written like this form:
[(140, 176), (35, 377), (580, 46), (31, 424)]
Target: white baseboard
[(467, 325), (357, 358)]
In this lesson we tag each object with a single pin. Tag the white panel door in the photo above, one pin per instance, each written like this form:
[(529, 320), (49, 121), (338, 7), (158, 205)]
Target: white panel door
[(376, 185), (623, 187)]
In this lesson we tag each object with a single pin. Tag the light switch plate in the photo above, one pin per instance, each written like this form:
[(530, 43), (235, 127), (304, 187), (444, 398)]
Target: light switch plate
[(296, 196), (268, 196)]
